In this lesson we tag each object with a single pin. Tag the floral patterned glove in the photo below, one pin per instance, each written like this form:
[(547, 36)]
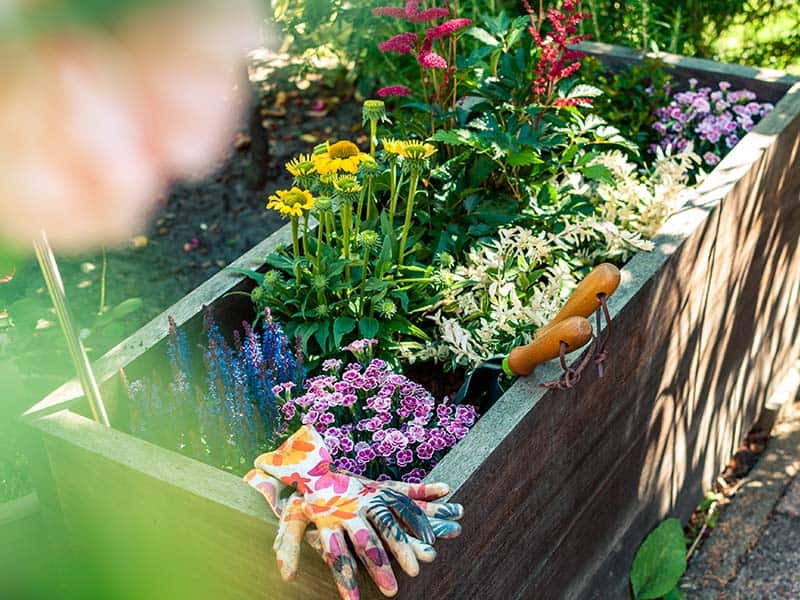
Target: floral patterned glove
[(338, 502)]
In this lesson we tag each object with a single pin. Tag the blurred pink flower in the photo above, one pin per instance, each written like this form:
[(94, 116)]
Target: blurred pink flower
[(93, 126), (393, 90), (431, 60)]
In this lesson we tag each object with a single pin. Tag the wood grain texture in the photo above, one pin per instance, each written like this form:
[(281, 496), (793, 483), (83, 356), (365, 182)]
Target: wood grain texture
[(559, 487)]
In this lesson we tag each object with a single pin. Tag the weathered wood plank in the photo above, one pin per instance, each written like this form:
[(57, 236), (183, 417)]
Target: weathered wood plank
[(173, 529)]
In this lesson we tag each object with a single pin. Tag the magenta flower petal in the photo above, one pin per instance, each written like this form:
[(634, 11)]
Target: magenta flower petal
[(393, 90)]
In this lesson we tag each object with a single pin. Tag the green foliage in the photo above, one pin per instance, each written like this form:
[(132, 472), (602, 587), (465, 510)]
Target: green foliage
[(759, 33), (660, 562), (631, 96), (361, 273)]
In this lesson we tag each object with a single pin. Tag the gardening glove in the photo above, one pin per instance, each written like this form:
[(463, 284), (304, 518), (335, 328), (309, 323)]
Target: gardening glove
[(338, 502)]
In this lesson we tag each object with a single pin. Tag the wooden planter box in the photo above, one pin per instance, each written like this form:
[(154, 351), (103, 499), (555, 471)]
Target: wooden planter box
[(23, 548), (559, 487)]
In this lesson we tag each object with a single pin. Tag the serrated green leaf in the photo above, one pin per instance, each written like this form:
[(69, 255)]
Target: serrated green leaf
[(523, 158), (583, 90), (660, 561), (482, 35), (598, 172), (454, 137)]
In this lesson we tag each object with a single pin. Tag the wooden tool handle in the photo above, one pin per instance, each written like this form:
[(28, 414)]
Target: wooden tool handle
[(603, 279), (574, 331)]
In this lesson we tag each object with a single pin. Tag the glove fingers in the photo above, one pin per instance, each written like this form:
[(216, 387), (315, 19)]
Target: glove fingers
[(369, 549), (441, 510), (313, 540), (422, 551), (341, 563), (418, 491), (444, 528), (394, 536), (268, 486), (287, 543)]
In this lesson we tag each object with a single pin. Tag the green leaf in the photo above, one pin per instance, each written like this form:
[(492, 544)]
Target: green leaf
[(280, 261), (674, 594), (341, 327), (254, 275), (126, 307), (321, 335), (523, 158), (598, 172), (305, 331), (482, 35), (368, 327), (583, 90), (454, 137), (660, 561)]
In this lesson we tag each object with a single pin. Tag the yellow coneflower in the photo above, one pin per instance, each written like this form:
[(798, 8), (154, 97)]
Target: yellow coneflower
[(291, 203), (417, 150), (392, 146), (301, 166), (341, 156)]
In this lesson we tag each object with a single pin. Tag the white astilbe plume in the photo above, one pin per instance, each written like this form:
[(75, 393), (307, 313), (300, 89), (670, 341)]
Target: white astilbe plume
[(506, 288)]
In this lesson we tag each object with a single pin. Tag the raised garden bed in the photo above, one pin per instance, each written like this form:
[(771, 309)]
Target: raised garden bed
[(23, 548), (559, 487)]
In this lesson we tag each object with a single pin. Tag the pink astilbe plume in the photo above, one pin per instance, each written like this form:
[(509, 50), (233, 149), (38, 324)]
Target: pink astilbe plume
[(431, 60), (430, 14), (411, 9), (393, 90), (447, 28), (556, 61), (402, 43)]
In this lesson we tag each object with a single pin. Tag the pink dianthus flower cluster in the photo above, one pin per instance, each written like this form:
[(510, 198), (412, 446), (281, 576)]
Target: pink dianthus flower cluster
[(375, 421), (713, 121)]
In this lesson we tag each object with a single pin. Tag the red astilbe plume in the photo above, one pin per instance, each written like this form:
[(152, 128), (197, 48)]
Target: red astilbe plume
[(556, 61)]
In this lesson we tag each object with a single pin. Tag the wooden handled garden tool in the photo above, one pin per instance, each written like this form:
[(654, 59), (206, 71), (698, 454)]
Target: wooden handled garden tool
[(482, 385), (588, 297), (566, 332)]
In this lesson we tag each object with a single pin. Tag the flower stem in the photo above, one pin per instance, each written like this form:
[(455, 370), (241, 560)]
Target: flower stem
[(371, 206), (362, 287), (296, 249), (359, 211), (412, 190), (373, 133), (393, 193), (346, 221), (305, 235), (320, 228)]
